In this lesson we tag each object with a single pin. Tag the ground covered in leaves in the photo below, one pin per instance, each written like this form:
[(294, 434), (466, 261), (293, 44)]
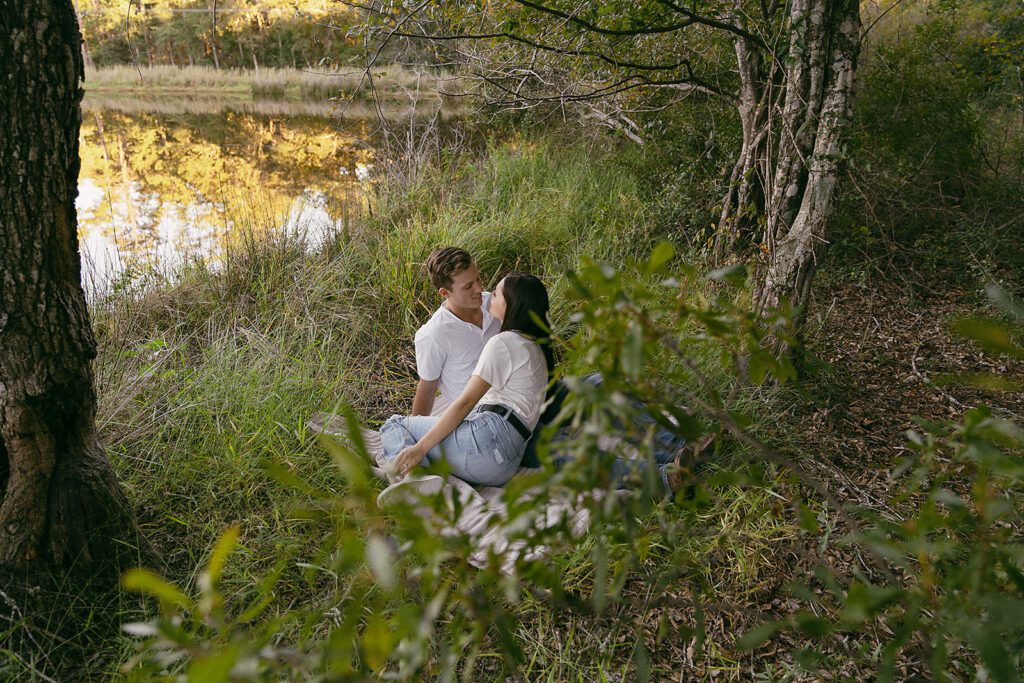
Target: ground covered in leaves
[(881, 358)]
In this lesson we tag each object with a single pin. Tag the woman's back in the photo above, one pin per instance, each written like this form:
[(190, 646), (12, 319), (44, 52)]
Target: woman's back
[(515, 367)]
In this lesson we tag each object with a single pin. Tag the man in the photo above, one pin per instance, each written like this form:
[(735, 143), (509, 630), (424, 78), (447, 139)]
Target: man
[(449, 344)]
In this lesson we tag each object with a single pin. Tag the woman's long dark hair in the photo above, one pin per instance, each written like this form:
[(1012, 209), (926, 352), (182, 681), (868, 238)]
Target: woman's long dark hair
[(526, 311)]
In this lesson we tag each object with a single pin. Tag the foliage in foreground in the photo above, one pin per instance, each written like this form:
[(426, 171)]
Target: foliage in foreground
[(945, 582)]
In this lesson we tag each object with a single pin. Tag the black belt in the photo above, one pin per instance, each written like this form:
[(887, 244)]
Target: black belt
[(509, 415)]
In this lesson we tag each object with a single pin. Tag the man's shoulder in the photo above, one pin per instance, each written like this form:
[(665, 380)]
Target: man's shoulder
[(430, 330)]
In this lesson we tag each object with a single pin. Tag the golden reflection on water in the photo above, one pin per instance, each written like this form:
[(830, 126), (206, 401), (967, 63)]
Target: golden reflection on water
[(159, 189)]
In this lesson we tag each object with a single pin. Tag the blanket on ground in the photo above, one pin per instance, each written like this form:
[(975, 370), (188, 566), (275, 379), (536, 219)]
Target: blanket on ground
[(481, 513)]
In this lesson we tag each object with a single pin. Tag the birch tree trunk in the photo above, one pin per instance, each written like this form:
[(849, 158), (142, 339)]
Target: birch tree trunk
[(795, 115), (61, 501), (812, 148), (744, 200)]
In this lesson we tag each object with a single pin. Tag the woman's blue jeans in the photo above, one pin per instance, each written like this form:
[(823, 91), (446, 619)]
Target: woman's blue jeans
[(483, 449)]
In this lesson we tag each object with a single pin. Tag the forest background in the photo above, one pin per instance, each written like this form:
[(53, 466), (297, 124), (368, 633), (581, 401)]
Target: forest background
[(824, 541)]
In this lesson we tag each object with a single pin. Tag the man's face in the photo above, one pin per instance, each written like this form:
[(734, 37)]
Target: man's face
[(466, 290)]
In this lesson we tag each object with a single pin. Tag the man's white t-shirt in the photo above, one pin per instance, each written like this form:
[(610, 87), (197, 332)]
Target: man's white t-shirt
[(514, 366), (447, 349)]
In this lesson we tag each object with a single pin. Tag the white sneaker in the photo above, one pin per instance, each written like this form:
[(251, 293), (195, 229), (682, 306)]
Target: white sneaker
[(411, 490)]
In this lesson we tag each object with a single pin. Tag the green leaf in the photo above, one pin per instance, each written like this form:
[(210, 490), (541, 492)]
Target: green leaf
[(213, 668), (380, 560), (1001, 299), (642, 661), (812, 625), (735, 274), (1015, 575), (682, 422), (632, 355), (215, 566), (980, 380), (661, 255), (150, 583), (759, 635), (808, 521), (600, 594), (990, 335), (505, 626), (988, 643), (757, 367), (377, 641)]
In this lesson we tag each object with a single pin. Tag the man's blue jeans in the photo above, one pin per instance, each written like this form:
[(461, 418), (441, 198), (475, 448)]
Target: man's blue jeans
[(625, 472), (483, 449)]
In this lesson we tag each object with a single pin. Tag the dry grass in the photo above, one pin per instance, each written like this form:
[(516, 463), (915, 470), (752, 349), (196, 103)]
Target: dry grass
[(391, 81)]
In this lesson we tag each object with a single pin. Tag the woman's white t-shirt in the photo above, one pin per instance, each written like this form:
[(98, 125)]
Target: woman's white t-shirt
[(514, 366)]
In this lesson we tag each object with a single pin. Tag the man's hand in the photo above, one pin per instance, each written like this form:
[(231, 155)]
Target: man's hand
[(407, 459)]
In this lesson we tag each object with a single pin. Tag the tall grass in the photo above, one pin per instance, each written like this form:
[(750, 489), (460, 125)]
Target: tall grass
[(205, 384), (320, 84)]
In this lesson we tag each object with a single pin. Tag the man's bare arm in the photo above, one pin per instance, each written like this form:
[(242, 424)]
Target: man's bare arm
[(423, 403)]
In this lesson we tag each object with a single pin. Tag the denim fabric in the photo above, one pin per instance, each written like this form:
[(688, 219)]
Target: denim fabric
[(629, 473), (483, 449), (625, 472)]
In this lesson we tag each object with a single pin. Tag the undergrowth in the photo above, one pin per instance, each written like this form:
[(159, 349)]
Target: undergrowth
[(207, 382), (205, 385)]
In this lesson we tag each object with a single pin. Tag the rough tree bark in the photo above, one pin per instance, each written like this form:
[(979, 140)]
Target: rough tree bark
[(61, 501), (796, 118), (814, 139), (744, 200)]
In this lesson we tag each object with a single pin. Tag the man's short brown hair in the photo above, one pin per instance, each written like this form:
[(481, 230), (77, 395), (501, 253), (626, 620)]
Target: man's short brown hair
[(445, 263)]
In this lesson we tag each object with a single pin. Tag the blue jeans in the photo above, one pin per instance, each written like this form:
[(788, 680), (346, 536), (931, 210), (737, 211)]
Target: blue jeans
[(483, 449), (625, 472)]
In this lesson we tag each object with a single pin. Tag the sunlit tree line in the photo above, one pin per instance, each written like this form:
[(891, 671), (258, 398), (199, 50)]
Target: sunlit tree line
[(269, 33)]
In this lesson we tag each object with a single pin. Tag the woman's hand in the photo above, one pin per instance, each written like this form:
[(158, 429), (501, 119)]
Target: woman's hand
[(453, 415), (408, 458)]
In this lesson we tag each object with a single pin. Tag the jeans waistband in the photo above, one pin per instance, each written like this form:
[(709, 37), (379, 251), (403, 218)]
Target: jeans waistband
[(509, 415)]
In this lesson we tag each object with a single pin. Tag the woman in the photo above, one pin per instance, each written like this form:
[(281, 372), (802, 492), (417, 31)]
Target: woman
[(483, 444)]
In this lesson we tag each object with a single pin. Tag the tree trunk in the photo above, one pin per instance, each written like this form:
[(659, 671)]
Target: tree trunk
[(815, 126), (61, 501), (795, 117), (744, 200)]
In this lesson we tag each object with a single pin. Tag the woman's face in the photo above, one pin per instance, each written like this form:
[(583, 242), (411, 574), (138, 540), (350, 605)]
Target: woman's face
[(498, 305)]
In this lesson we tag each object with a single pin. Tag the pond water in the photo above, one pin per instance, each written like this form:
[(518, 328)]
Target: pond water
[(163, 183)]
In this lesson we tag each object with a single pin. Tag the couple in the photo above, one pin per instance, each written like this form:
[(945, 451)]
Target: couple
[(490, 356)]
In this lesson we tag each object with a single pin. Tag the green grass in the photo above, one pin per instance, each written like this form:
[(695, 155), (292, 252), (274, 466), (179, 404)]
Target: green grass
[(203, 381), (207, 382)]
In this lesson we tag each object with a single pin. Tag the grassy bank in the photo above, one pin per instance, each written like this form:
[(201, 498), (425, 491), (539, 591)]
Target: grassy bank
[(393, 85), (205, 387)]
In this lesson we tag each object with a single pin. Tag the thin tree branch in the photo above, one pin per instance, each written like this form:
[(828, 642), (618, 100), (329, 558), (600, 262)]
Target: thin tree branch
[(715, 23), (613, 61), (623, 85), (594, 28)]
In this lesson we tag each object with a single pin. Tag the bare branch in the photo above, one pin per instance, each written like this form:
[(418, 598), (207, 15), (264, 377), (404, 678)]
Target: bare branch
[(715, 23), (567, 51), (594, 28)]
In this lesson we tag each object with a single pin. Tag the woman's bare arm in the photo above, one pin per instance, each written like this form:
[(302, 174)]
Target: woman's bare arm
[(451, 418)]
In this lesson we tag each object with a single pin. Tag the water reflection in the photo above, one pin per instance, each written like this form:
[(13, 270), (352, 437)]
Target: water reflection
[(158, 189)]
